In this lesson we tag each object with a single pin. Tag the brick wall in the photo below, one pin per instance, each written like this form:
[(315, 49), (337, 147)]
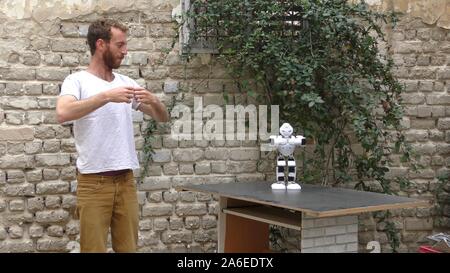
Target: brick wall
[(37, 155), (422, 55)]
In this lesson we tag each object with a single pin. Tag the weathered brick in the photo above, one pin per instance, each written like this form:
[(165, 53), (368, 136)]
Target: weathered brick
[(202, 168), (50, 89), (443, 74), (424, 111), (16, 134), (15, 176), (15, 148), (170, 197), (25, 189), (52, 216), (170, 169), (205, 235), (50, 174), (14, 89), (170, 237), (20, 218), (161, 156), (413, 98), (24, 103), (34, 176), (69, 45), (2, 204), (190, 209), (51, 146), (443, 123), (73, 227), (208, 222), (44, 132), (241, 167), (254, 177), (35, 204), (32, 58), (52, 187), (36, 231), (51, 160), (33, 147), (425, 149), (70, 60), (148, 238), (17, 73), (192, 222), (422, 123), (191, 155), (157, 210), (154, 196), (69, 201), (412, 224), (437, 99), (15, 118), (55, 231), (52, 74), (176, 223), (52, 244), (47, 103), (17, 205), (2, 149), (203, 197), (160, 224), (437, 111), (155, 183), (171, 86), (187, 196), (68, 173), (186, 168), (17, 246), (53, 202), (217, 153), (68, 145), (34, 118)]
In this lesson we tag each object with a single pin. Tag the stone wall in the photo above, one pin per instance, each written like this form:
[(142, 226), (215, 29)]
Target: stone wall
[(41, 42)]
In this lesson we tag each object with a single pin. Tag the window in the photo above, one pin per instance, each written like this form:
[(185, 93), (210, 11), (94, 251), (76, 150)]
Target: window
[(193, 38)]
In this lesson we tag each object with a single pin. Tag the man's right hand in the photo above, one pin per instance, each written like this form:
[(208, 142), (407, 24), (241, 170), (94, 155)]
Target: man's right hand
[(120, 94)]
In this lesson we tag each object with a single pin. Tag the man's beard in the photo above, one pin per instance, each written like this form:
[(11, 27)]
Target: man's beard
[(108, 58)]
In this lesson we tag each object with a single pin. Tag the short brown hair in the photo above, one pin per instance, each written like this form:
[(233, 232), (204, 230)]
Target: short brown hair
[(101, 29)]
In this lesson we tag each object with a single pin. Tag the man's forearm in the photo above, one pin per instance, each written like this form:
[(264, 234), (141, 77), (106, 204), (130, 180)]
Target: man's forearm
[(156, 110), (78, 109)]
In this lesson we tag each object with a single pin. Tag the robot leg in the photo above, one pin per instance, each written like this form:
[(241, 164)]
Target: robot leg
[(292, 172), (280, 184)]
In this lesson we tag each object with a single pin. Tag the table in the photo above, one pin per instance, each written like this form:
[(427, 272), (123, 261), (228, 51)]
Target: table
[(325, 216)]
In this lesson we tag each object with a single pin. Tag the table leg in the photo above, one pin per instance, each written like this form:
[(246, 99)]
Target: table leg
[(241, 235)]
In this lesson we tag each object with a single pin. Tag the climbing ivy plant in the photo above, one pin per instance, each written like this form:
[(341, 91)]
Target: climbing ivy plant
[(322, 62)]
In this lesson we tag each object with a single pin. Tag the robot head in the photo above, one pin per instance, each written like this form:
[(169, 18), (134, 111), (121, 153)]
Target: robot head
[(286, 130)]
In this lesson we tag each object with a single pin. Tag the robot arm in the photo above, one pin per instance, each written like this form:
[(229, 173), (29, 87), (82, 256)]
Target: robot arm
[(297, 141)]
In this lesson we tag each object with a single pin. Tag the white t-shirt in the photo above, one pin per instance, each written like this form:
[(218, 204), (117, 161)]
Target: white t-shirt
[(104, 138)]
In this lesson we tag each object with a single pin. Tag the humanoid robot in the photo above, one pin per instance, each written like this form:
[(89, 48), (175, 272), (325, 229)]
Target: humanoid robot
[(285, 144)]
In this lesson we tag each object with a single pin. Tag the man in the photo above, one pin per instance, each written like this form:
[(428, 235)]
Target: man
[(100, 102)]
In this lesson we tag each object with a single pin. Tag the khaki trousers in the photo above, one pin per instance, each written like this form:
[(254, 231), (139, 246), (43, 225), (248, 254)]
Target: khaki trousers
[(105, 202)]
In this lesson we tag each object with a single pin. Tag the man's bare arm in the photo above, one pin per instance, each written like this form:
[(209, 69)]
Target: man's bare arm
[(69, 108), (157, 111)]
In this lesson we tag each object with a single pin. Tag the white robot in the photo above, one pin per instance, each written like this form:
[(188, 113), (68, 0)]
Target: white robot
[(285, 144)]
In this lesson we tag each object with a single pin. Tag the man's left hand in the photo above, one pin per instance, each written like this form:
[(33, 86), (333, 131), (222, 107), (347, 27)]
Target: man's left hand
[(145, 96)]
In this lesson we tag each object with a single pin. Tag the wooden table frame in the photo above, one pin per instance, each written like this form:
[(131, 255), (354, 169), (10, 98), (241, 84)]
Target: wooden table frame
[(245, 216)]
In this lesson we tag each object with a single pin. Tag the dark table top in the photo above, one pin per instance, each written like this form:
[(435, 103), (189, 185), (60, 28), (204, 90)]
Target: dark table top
[(314, 200)]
